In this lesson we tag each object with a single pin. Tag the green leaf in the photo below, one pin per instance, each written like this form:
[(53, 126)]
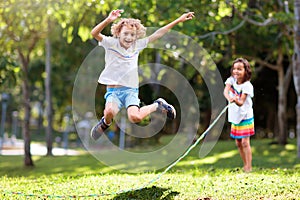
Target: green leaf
[(84, 33)]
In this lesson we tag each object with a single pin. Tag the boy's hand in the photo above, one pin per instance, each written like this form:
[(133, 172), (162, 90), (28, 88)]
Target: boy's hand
[(186, 16), (115, 14)]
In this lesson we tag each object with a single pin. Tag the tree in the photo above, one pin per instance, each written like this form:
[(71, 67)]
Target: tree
[(48, 93), (23, 31), (296, 67), (25, 26)]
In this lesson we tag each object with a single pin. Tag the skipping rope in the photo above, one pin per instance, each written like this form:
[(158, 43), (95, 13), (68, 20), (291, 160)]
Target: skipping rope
[(132, 189)]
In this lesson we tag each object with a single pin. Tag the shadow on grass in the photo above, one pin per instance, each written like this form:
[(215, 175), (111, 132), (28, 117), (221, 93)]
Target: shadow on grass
[(154, 193)]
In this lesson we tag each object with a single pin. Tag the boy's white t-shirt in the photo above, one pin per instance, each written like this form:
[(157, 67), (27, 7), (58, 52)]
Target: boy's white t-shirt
[(237, 113), (121, 65)]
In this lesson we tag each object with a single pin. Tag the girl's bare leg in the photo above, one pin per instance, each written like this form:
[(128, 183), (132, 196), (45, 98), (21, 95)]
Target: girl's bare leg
[(241, 150), (245, 152)]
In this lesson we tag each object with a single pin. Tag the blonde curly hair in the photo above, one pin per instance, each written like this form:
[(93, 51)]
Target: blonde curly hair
[(140, 29)]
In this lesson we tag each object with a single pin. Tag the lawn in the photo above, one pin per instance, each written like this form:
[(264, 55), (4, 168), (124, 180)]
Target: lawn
[(276, 175)]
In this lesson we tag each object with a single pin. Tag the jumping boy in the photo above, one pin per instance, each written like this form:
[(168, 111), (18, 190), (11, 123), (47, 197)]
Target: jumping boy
[(120, 74)]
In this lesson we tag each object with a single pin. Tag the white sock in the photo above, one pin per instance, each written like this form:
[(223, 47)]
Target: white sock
[(156, 105), (106, 122)]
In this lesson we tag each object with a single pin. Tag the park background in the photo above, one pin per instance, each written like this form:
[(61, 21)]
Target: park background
[(43, 43)]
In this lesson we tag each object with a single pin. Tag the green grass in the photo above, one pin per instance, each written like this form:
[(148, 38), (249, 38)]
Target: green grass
[(276, 175)]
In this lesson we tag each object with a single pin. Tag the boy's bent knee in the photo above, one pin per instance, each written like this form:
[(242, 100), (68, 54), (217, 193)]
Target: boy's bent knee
[(134, 118), (134, 114)]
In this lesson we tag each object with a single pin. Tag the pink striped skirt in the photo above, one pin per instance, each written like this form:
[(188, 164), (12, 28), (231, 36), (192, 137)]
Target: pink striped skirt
[(244, 129)]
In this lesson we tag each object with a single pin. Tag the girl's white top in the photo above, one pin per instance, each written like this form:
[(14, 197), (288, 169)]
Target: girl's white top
[(237, 113), (121, 65)]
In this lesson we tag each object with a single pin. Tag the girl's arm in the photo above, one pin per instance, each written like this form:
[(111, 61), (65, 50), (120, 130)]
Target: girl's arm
[(237, 100), (226, 93), (240, 100), (162, 31), (96, 32)]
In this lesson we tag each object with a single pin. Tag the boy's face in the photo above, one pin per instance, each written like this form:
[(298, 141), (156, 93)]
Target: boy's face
[(127, 36)]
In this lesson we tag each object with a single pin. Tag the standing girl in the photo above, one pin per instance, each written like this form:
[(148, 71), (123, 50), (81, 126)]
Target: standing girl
[(239, 91)]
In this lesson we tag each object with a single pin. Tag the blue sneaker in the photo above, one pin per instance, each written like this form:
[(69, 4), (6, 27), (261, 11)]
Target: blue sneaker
[(164, 107), (98, 129)]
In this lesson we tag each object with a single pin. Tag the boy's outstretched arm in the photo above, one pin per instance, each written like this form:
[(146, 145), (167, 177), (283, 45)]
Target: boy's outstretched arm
[(162, 31), (96, 32)]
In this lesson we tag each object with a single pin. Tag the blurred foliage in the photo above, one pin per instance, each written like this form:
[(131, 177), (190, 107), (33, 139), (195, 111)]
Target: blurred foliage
[(22, 22)]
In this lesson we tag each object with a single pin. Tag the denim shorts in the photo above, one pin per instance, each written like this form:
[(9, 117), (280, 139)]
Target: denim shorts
[(123, 96)]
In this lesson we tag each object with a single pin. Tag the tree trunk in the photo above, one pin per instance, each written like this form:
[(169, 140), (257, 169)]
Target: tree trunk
[(48, 95), (298, 124), (27, 109), (296, 67), (26, 133), (282, 120), (284, 79)]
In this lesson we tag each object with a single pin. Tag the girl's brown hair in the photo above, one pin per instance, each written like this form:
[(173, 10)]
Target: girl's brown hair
[(247, 67), (140, 29)]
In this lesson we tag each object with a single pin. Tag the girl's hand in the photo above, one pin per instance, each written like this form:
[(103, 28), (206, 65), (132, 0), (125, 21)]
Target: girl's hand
[(115, 14), (236, 99), (231, 99), (186, 16)]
